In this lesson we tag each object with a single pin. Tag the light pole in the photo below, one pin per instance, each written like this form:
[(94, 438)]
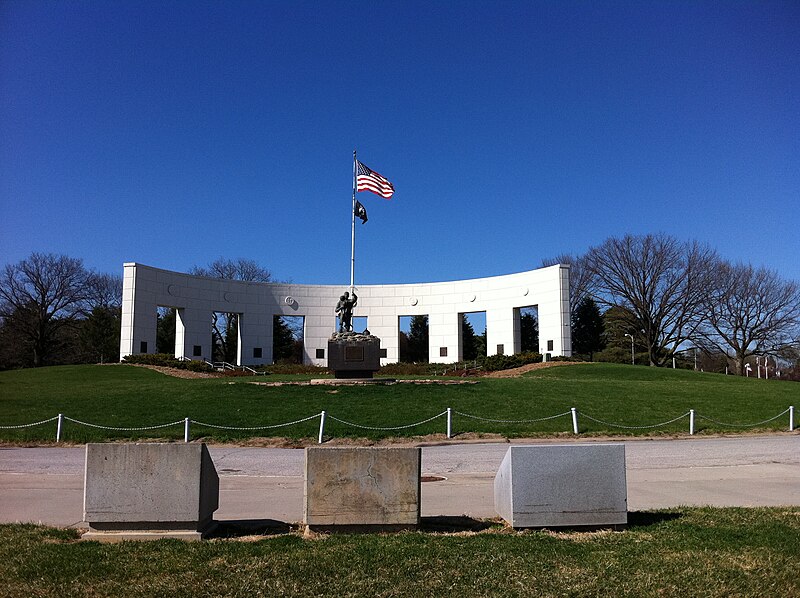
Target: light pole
[(633, 360)]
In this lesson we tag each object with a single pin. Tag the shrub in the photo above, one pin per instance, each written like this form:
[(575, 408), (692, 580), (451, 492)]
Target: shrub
[(164, 359), (294, 368), (407, 369), (195, 366)]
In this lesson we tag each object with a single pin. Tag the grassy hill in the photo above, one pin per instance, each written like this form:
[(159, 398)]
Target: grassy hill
[(630, 398)]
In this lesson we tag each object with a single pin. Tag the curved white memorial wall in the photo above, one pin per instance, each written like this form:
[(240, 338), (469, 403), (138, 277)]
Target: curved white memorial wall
[(196, 298)]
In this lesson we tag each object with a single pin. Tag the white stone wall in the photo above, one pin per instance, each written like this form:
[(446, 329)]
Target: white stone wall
[(195, 297)]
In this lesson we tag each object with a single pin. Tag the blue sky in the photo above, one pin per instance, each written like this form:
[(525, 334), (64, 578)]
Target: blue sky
[(172, 133)]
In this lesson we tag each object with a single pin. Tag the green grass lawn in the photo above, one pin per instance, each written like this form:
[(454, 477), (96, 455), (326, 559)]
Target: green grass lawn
[(679, 552), (133, 397)]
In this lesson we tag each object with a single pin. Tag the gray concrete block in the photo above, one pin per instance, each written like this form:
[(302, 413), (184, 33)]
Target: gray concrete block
[(362, 487), (166, 489), (562, 485)]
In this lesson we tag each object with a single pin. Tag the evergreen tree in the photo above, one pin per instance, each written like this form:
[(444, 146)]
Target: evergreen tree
[(99, 334), (282, 341), (165, 330), (587, 329), (418, 340), (529, 332), (469, 342), (481, 344)]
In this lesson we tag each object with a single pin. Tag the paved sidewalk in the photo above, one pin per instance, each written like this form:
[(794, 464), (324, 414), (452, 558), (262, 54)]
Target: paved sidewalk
[(46, 484)]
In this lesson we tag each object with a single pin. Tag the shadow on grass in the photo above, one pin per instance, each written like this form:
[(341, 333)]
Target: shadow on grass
[(647, 518), (238, 528), (454, 524), (442, 524)]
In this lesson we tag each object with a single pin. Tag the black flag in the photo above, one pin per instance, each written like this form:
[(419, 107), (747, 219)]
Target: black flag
[(361, 212)]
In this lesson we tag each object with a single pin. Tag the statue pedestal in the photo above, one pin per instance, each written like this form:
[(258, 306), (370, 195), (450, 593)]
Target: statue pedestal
[(354, 355)]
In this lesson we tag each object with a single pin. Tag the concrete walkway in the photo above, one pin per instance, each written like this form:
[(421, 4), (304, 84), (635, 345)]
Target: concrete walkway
[(46, 484)]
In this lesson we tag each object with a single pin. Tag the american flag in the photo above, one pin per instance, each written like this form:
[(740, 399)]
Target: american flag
[(368, 180)]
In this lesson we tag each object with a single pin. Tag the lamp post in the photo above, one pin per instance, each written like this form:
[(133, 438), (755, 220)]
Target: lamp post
[(633, 360)]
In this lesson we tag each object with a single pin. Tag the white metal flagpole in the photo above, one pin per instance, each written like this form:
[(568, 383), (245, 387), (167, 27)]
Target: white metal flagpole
[(353, 230)]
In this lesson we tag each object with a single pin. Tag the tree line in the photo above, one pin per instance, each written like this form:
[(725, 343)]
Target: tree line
[(54, 311), (663, 296)]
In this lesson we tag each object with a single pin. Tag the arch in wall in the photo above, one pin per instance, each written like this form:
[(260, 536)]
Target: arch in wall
[(196, 297)]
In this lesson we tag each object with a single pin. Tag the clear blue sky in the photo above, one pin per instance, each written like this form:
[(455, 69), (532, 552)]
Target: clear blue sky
[(172, 133)]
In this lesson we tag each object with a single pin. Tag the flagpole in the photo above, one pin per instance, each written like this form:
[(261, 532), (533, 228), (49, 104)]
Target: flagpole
[(353, 230)]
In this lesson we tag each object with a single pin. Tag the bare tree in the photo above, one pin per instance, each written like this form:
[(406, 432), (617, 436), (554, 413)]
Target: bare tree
[(239, 269), (105, 290), (581, 284), (225, 329), (42, 295), (750, 311), (660, 281)]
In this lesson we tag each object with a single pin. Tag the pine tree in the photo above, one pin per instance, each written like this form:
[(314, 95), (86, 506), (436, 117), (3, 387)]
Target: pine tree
[(418, 340), (469, 342), (529, 333), (587, 329), (282, 341)]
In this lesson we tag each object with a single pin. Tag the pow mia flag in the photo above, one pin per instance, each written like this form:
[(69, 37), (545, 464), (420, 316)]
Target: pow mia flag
[(361, 212)]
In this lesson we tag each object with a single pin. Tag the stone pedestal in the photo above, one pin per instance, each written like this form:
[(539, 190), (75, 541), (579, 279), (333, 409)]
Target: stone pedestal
[(354, 355), (575, 485), (149, 491), (362, 488)]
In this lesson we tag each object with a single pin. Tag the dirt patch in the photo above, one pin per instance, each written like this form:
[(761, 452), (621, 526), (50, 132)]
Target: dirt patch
[(175, 372), (511, 373), (530, 367)]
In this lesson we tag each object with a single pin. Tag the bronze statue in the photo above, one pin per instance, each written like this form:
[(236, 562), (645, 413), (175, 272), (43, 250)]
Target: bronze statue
[(344, 309)]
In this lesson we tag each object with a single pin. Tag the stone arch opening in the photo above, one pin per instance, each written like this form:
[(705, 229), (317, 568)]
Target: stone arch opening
[(288, 339), (472, 335), (526, 329), (413, 339)]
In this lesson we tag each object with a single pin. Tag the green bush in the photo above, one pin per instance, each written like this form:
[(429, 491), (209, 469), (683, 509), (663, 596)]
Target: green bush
[(164, 359), (407, 369), (294, 368), (194, 366)]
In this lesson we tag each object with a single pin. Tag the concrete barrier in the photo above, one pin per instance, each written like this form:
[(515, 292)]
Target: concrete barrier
[(562, 485), (362, 488), (149, 491)]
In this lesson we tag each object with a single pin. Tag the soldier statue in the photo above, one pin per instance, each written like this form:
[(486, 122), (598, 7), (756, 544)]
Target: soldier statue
[(344, 309)]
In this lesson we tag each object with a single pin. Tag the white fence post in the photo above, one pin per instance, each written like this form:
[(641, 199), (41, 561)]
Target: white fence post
[(574, 420), (449, 423), (59, 426), (187, 435), (321, 427), (791, 418), (691, 422)]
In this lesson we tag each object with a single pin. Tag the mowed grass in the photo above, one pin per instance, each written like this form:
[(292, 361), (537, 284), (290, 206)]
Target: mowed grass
[(628, 400), (680, 552)]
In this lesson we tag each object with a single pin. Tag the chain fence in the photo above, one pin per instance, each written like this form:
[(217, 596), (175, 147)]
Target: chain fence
[(448, 415)]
